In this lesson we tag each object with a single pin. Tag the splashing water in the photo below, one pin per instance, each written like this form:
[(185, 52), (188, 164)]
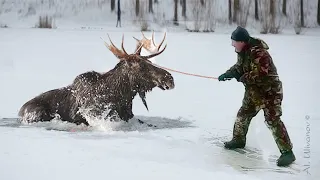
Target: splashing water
[(112, 123)]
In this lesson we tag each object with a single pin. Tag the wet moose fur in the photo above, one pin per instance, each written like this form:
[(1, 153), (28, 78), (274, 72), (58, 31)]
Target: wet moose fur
[(111, 92)]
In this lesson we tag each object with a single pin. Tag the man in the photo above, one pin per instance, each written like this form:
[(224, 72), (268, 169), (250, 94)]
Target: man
[(263, 90)]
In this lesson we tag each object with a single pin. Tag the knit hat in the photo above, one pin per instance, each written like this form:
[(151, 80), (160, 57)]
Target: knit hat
[(240, 34)]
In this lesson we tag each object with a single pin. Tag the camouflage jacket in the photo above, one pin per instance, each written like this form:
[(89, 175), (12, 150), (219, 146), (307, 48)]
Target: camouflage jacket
[(255, 68)]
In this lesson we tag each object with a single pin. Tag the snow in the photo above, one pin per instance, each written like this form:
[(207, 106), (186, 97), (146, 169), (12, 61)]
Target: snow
[(33, 61), (37, 60), (96, 13)]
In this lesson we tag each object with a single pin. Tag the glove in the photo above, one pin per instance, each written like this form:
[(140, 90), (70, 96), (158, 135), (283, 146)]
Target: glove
[(224, 77)]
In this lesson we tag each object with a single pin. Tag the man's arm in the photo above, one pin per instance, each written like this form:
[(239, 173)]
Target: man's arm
[(260, 69), (235, 71)]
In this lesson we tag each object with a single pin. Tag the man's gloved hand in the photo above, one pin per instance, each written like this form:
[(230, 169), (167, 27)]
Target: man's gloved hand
[(224, 77)]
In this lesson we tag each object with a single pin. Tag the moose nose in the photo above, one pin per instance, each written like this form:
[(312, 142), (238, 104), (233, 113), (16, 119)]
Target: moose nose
[(170, 85)]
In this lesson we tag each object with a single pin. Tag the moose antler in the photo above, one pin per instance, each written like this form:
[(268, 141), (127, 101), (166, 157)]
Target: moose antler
[(155, 54), (117, 52), (122, 54), (148, 44), (138, 49)]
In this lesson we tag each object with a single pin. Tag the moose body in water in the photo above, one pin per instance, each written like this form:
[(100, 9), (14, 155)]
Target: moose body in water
[(109, 93)]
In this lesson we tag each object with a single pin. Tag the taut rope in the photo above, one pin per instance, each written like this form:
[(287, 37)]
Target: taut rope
[(185, 73)]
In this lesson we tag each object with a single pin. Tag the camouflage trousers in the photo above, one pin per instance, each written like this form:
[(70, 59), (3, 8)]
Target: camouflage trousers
[(271, 105)]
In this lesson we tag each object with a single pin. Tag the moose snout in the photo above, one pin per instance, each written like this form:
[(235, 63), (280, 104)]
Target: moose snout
[(168, 82)]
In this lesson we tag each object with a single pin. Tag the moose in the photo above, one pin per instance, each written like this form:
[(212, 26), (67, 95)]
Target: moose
[(109, 94)]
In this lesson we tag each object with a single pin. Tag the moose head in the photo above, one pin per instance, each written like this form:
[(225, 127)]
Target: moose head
[(143, 74)]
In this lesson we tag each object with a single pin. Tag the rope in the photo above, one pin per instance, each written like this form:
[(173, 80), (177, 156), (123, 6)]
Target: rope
[(185, 73)]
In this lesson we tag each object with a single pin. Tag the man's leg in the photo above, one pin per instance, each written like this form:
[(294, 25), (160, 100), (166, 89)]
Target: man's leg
[(247, 111), (272, 113), (277, 127)]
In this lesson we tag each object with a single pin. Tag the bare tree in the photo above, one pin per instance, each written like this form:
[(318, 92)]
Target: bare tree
[(256, 10), (45, 22), (318, 17), (209, 16), (150, 6), (269, 18), (175, 18), (284, 7), (302, 13), (297, 16), (184, 8), (230, 11), (137, 7), (113, 5), (202, 2), (273, 27), (243, 13), (236, 9), (204, 17), (141, 10), (119, 15), (272, 13), (264, 12), (197, 10)]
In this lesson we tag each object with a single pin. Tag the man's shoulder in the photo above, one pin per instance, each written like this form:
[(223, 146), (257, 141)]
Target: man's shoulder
[(257, 48), (258, 51)]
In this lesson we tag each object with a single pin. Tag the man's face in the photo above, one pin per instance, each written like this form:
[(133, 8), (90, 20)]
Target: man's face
[(238, 45)]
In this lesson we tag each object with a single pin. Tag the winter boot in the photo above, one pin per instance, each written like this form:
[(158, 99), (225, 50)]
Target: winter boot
[(235, 143), (286, 158)]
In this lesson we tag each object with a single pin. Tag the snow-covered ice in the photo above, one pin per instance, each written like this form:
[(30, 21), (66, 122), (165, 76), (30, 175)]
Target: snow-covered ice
[(36, 60)]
